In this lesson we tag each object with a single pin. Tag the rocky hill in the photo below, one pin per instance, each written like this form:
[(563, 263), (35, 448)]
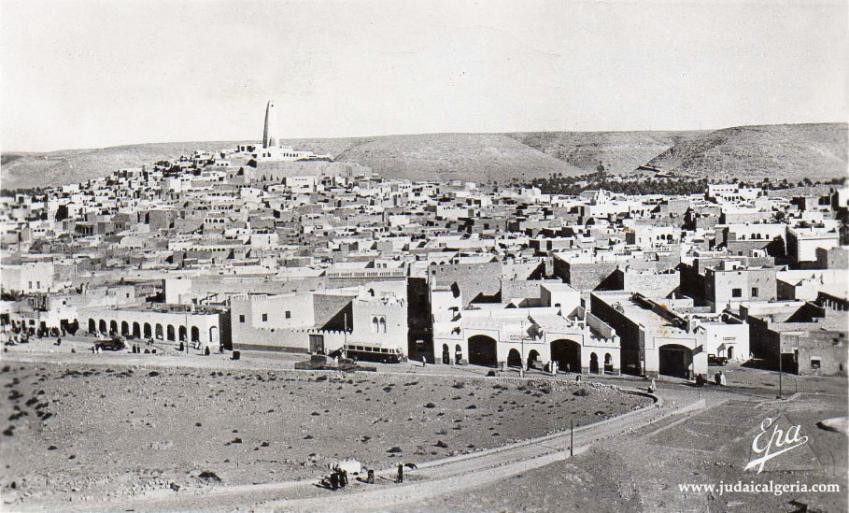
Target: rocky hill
[(816, 151), (472, 157), (616, 152), (792, 152)]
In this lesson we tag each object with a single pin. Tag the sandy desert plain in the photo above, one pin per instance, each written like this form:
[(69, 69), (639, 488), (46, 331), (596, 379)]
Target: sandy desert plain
[(176, 432), (123, 425)]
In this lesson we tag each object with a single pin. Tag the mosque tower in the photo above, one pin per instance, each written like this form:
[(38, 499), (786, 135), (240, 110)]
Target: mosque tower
[(269, 135)]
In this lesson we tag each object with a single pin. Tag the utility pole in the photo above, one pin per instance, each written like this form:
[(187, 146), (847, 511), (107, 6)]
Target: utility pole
[(345, 336), (780, 369), (571, 437)]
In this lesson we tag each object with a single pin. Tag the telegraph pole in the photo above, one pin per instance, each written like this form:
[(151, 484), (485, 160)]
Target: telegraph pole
[(780, 369), (571, 437), (345, 336)]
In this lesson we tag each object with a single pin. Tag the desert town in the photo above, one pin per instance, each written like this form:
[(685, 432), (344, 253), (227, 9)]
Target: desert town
[(291, 261)]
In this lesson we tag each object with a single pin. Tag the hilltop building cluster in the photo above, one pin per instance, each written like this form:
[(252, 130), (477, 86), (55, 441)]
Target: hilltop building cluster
[(271, 248)]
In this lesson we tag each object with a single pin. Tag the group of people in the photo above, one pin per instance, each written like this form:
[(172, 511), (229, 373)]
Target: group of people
[(338, 478), (718, 379)]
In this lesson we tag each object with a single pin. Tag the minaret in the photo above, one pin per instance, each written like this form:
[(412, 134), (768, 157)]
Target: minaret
[(269, 138)]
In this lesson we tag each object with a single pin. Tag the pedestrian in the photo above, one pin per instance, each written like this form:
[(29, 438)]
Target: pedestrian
[(652, 387), (334, 480), (424, 361), (400, 473), (722, 381), (370, 478), (578, 378), (717, 378)]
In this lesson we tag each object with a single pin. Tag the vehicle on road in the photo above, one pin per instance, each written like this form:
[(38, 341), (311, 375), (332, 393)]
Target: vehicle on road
[(113, 344)]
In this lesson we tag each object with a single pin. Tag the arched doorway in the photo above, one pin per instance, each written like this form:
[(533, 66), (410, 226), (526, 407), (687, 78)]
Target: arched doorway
[(533, 360), (158, 332), (101, 326), (146, 330), (182, 333), (483, 350), (458, 353), (125, 328), (514, 359), (446, 354), (567, 354), (730, 352), (593, 363), (171, 332), (195, 334), (675, 360), (608, 362), (113, 326), (92, 326), (136, 330)]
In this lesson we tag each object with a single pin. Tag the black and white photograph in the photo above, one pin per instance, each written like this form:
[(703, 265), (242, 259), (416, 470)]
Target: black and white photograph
[(437, 256)]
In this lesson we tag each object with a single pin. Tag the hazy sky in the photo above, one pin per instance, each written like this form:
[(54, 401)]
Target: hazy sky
[(98, 73)]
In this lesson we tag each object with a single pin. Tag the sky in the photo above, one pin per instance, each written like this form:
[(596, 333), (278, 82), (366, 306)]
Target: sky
[(89, 73)]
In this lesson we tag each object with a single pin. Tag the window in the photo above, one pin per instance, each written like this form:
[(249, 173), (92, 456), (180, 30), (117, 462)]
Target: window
[(288, 314), (754, 292), (264, 317), (815, 363), (242, 319), (736, 293)]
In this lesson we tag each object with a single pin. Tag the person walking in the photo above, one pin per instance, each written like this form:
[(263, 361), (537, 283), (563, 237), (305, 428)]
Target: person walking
[(400, 473)]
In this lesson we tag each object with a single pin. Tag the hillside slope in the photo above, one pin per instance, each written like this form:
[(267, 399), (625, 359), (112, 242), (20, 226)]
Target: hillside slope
[(473, 157), (24, 170), (618, 152), (816, 151)]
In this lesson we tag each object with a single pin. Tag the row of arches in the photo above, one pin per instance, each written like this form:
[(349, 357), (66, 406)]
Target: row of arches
[(567, 353), (156, 331)]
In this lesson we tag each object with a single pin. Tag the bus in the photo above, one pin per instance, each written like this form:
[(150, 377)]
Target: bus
[(374, 353)]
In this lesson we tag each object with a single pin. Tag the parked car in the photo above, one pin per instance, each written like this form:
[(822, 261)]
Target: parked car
[(717, 360), (113, 344)]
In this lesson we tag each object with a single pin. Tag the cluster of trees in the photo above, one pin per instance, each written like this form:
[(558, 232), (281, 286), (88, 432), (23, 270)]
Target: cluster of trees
[(556, 183), (572, 185)]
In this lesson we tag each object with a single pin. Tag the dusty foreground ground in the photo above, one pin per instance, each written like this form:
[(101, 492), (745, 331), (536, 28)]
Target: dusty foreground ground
[(94, 432), (642, 471)]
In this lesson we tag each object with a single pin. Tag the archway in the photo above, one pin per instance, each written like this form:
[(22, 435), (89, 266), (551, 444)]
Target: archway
[(92, 326), (608, 362), (533, 359), (446, 354), (136, 330), (514, 359), (675, 360), (125, 328), (195, 334), (101, 326), (171, 332), (483, 350), (458, 353), (113, 326), (730, 353), (567, 354), (213, 335), (593, 363), (146, 330), (158, 332), (182, 332)]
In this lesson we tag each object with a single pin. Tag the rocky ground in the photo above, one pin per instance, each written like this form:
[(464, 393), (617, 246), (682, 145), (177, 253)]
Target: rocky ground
[(95, 431), (641, 472)]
